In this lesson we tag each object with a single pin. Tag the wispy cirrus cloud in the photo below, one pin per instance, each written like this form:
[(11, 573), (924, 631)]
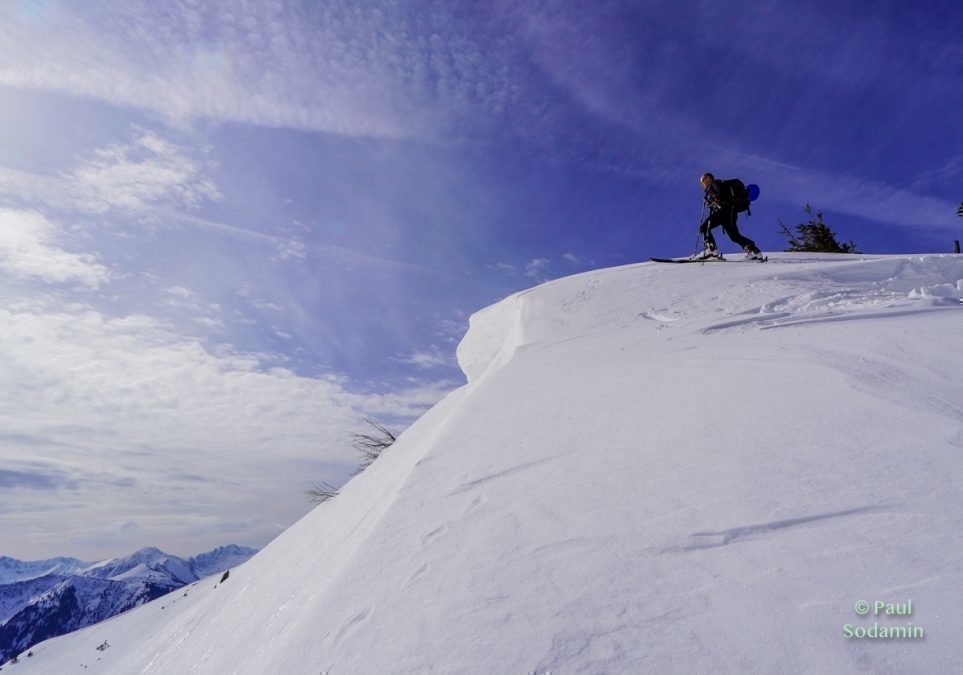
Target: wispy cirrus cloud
[(578, 260), (853, 195), (948, 173), (535, 269), (371, 69), (679, 119)]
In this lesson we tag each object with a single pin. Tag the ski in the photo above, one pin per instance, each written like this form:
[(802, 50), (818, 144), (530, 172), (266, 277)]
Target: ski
[(686, 260), (705, 260)]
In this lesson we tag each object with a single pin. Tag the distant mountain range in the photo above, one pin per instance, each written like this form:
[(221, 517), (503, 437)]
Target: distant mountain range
[(45, 598)]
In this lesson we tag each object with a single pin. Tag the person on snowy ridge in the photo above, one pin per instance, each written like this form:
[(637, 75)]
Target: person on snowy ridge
[(722, 212)]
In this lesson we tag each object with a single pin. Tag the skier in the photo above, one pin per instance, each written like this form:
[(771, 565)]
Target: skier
[(721, 212)]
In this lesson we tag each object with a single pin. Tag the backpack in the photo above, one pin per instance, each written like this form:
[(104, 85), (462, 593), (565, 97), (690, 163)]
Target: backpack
[(735, 194)]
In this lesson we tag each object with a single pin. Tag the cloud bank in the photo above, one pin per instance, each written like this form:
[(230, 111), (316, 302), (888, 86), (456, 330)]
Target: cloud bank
[(104, 414)]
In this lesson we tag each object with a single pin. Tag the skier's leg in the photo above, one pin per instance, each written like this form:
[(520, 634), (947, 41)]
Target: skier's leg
[(732, 231), (709, 242)]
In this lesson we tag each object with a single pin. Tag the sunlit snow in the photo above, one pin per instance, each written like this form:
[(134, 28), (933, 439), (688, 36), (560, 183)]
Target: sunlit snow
[(653, 468)]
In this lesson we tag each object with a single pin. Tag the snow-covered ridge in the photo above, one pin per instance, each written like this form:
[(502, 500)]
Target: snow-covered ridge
[(799, 287), (13, 570), (50, 597), (653, 468)]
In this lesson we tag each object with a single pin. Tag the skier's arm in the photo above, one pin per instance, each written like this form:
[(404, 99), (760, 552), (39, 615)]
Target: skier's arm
[(712, 194)]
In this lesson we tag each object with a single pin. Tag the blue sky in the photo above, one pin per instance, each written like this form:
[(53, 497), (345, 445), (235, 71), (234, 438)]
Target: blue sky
[(231, 230)]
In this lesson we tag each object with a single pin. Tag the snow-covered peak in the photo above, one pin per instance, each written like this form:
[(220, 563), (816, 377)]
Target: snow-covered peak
[(114, 568), (220, 559), (148, 553), (13, 570), (653, 468)]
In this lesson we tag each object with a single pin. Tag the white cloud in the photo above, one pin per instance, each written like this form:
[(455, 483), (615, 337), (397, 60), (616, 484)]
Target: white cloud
[(147, 171), (575, 260), (146, 175), (28, 251), (411, 401), (181, 292), (209, 322), (22, 187), (290, 249), (428, 359), (536, 268), (259, 303)]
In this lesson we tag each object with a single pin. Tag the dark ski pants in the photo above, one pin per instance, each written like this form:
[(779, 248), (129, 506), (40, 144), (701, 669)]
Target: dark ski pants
[(726, 218)]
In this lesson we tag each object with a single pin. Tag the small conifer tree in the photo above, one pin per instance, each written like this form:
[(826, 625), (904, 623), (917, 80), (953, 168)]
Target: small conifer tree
[(815, 236)]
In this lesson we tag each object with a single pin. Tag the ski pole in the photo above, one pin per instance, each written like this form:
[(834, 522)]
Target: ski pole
[(699, 231)]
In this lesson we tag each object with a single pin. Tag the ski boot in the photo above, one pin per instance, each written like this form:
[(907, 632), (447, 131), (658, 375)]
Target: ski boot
[(706, 254)]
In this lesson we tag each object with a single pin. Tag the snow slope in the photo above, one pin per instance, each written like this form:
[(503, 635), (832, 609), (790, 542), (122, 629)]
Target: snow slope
[(653, 468)]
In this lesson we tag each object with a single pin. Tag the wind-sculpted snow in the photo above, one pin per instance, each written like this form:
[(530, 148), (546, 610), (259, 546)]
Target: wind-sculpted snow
[(653, 468), (493, 336)]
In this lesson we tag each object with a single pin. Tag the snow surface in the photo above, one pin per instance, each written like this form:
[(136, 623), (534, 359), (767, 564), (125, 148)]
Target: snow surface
[(653, 468)]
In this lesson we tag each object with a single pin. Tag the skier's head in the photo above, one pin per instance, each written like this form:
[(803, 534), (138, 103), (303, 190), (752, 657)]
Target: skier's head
[(706, 179)]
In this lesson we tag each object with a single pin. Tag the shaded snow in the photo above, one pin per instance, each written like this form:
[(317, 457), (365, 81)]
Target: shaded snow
[(654, 468)]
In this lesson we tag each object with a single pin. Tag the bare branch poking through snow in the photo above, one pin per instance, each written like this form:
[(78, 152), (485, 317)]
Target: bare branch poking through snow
[(372, 444), (321, 492)]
